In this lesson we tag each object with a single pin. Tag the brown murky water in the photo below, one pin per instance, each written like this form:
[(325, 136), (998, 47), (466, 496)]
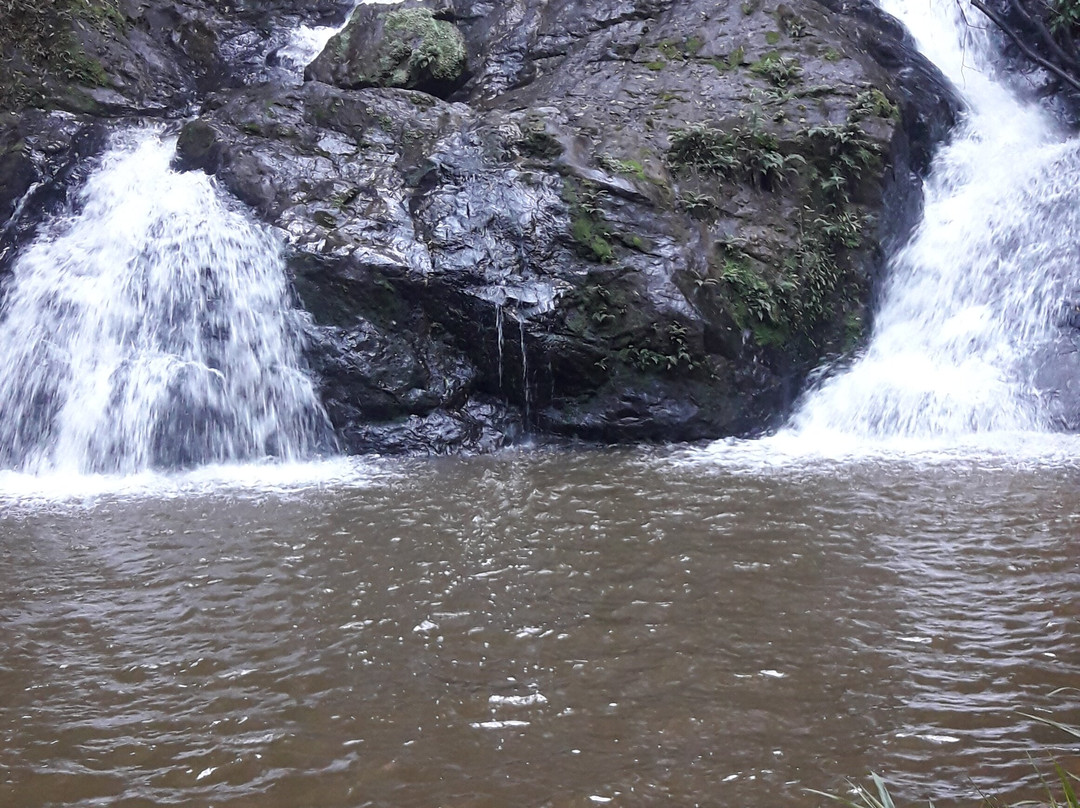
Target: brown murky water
[(542, 629)]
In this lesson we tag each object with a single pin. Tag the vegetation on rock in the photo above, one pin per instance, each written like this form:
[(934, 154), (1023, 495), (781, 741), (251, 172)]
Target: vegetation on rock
[(39, 45), (415, 50)]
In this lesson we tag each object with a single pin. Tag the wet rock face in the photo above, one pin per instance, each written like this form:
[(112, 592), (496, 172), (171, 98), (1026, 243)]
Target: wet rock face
[(628, 221), (615, 219), (120, 57), (44, 156)]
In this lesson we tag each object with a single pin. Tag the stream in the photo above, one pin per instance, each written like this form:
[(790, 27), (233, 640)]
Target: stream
[(542, 628)]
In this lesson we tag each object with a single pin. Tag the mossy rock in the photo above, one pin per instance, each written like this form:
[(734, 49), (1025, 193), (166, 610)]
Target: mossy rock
[(44, 55), (405, 48)]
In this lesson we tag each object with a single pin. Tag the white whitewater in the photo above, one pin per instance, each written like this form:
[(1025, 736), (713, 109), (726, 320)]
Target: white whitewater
[(308, 41), (984, 282), (151, 328)]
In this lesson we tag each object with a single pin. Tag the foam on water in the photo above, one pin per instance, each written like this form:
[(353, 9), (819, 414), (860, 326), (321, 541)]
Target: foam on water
[(62, 491)]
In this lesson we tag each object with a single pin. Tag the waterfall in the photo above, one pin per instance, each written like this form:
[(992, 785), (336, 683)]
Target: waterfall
[(307, 41), (151, 327), (981, 289)]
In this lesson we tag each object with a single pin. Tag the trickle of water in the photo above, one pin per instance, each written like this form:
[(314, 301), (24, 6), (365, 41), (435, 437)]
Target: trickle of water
[(152, 328), (525, 369), (984, 282), (499, 337)]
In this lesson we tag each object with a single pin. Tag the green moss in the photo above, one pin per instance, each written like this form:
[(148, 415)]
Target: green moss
[(538, 142), (630, 167), (658, 64), (588, 228), (441, 47), (780, 71), (772, 37), (591, 240), (40, 47), (671, 51), (416, 49)]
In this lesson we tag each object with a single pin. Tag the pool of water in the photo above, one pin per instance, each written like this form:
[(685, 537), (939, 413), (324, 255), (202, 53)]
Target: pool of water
[(721, 626)]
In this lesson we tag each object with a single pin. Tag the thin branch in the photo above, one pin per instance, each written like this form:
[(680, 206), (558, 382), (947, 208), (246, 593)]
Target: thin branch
[(1023, 46), (1044, 32)]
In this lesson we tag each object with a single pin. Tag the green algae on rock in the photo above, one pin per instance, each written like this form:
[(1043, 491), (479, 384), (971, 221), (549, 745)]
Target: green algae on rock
[(407, 48)]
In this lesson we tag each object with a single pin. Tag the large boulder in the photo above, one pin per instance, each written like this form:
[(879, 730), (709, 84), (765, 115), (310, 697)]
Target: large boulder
[(627, 220), (406, 47)]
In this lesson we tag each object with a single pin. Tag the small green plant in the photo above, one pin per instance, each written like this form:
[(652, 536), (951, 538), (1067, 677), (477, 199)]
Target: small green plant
[(588, 228), (862, 796), (697, 205), (666, 350), (750, 152), (780, 71), (622, 166), (1060, 792), (704, 148), (794, 26), (873, 102), (844, 147)]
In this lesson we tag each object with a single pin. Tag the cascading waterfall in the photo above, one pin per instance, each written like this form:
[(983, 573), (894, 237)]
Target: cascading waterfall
[(307, 41), (980, 289), (151, 328)]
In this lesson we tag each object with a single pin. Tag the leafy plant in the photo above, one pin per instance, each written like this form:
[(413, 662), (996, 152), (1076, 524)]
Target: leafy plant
[(750, 152), (695, 204), (780, 71), (870, 103), (1064, 15), (588, 227)]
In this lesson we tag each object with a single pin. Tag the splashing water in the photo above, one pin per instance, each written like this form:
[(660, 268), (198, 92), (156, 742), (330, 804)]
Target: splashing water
[(307, 41), (150, 329), (981, 288)]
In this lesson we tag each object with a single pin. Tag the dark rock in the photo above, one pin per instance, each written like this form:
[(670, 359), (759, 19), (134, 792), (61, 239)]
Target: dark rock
[(615, 219), (394, 46), (536, 243), (44, 158)]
